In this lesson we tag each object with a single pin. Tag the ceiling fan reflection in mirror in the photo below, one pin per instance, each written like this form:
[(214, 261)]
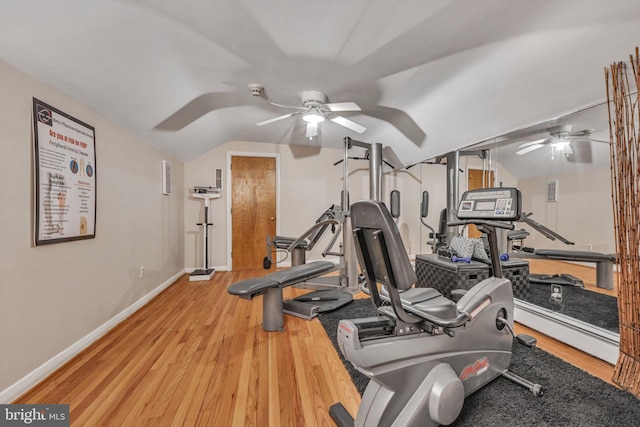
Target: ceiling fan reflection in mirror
[(560, 139), (315, 110)]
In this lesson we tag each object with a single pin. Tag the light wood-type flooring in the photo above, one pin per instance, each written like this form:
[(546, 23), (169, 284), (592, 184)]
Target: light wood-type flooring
[(196, 355)]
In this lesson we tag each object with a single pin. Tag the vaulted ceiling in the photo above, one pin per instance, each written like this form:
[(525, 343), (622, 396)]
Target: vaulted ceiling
[(430, 76)]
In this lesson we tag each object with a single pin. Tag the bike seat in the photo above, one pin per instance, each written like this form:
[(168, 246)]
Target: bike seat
[(427, 303)]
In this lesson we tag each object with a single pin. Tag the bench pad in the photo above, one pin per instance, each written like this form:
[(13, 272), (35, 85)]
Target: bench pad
[(250, 288), (300, 273), (586, 256), (253, 287)]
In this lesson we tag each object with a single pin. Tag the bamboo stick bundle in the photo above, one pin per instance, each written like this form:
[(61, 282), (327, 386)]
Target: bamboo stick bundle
[(624, 121)]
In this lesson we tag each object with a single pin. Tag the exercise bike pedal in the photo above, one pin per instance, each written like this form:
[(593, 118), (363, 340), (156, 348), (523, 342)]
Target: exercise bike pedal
[(340, 415), (534, 388), (527, 340)]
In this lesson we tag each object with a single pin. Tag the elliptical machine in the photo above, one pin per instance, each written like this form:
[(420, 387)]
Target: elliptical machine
[(423, 352)]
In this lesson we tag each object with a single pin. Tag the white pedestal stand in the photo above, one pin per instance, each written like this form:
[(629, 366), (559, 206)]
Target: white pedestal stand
[(205, 273)]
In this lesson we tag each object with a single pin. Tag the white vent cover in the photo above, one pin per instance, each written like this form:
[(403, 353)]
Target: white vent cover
[(218, 184), (552, 191), (166, 177)]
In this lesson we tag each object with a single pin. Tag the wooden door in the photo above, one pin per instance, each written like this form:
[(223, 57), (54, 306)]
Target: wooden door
[(478, 179), (253, 209)]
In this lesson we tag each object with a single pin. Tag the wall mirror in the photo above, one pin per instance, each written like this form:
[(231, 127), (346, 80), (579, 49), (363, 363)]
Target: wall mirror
[(562, 168)]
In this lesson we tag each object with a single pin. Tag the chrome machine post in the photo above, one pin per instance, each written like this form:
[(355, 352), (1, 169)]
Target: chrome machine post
[(453, 185), (350, 259), (375, 171)]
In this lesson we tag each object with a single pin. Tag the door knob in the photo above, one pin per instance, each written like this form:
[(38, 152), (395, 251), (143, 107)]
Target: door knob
[(272, 219)]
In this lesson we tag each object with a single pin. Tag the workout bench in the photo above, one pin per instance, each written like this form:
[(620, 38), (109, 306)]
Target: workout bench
[(604, 262), (270, 286)]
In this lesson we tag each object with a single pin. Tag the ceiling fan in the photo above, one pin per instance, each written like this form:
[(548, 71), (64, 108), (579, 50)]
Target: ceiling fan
[(560, 139), (315, 109)]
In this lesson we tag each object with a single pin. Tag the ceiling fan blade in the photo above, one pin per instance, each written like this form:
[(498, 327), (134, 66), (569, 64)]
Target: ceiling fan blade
[(391, 158), (529, 149), (275, 119), (537, 141), (288, 106), (200, 106), (347, 123), (584, 132), (580, 153), (585, 139), (399, 120), (599, 140), (343, 106)]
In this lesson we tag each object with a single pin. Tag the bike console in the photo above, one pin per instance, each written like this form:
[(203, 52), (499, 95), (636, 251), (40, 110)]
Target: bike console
[(493, 204)]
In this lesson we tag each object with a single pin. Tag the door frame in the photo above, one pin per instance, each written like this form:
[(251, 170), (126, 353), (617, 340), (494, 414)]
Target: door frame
[(229, 187), (468, 178)]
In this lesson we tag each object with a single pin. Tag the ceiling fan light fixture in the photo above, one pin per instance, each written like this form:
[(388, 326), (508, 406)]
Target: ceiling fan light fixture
[(312, 129), (313, 117), (560, 144)]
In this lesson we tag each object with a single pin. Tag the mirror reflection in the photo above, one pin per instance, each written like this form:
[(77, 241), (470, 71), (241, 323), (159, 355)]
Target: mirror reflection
[(566, 238), (562, 169)]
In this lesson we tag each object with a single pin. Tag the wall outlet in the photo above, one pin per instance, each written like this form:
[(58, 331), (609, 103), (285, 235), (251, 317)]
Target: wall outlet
[(589, 247), (142, 271)]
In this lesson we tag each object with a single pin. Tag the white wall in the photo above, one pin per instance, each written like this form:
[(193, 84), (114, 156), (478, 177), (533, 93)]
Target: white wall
[(53, 296), (583, 213)]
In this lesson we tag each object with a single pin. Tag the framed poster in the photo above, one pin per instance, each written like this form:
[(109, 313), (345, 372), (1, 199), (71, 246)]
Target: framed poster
[(65, 176)]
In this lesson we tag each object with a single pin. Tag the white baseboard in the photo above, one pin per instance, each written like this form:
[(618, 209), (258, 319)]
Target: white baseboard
[(34, 377), (593, 340), (215, 267)]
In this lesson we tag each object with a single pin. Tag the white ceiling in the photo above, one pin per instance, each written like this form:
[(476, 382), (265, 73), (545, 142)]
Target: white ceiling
[(430, 75)]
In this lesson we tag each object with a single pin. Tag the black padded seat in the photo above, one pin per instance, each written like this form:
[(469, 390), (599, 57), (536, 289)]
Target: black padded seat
[(413, 295), (425, 302), (384, 259), (438, 307)]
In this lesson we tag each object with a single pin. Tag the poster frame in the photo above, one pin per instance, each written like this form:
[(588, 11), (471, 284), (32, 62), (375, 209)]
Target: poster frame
[(40, 111)]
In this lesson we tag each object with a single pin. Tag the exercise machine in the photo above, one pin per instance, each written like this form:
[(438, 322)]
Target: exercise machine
[(299, 246), (206, 194), (312, 275), (438, 238), (604, 262), (270, 288), (424, 353)]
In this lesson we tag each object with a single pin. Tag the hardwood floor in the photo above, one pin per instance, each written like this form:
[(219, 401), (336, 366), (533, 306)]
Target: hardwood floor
[(197, 356)]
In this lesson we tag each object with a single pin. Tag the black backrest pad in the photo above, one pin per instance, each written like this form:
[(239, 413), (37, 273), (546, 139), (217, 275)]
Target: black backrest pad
[(371, 215)]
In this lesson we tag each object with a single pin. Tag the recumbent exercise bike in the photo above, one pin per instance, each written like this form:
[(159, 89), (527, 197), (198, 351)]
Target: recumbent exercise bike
[(423, 352)]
